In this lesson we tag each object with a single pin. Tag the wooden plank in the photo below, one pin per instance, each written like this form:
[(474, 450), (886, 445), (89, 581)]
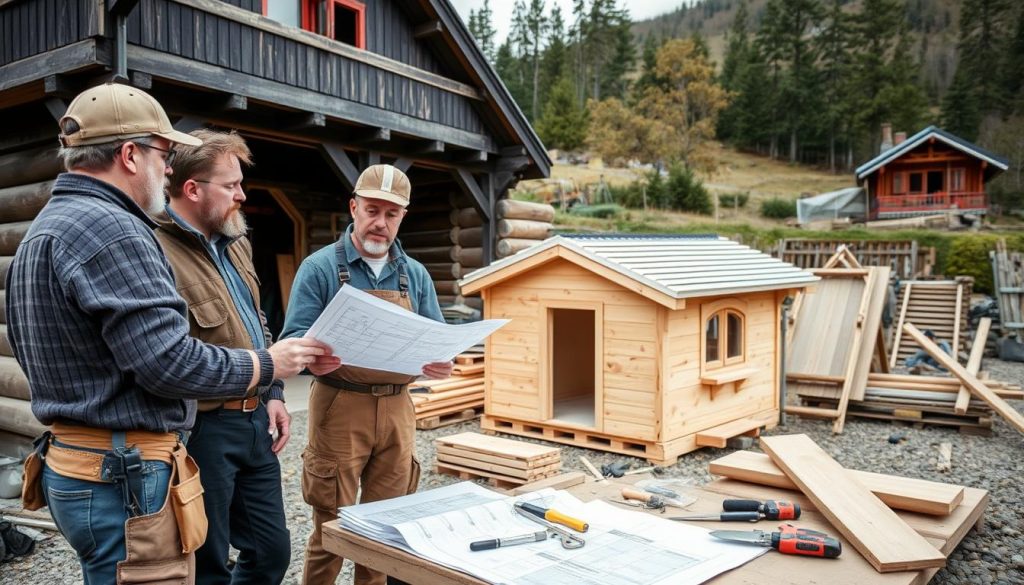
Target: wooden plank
[(726, 375), (901, 493), (899, 325), (720, 435), (496, 445), (503, 470), (876, 292), (559, 482), (876, 531), (976, 386), (963, 397), (496, 459)]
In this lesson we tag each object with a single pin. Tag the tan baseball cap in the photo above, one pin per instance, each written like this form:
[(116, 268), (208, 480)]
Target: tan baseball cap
[(111, 112), (384, 182)]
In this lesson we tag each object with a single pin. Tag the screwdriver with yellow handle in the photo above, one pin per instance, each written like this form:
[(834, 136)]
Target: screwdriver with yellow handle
[(554, 516)]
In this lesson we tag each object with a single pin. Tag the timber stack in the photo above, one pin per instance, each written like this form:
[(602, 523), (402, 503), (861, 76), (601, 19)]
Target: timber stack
[(504, 463), (454, 399), (1008, 277)]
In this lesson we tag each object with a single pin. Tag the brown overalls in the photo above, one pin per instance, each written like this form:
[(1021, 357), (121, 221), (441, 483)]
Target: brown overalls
[(361, 436)]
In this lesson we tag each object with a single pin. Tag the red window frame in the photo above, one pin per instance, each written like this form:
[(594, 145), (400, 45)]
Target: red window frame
[(310, 22)]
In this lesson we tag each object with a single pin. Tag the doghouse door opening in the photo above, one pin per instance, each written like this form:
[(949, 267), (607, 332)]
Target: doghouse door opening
[(572, 365)]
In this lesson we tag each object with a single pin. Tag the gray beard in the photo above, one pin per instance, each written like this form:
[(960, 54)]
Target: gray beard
[(235, 226), (375, 249)]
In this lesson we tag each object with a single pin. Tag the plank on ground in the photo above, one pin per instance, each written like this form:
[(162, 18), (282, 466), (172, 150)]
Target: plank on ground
[(488, 458), (963, 397), (505, 447), (902, 493), (877, 532), (520, 474), (976, 386)]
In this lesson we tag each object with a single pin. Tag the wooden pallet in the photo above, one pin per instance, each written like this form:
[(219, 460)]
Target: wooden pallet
[(939, 305), (450, 418), (1008, 277)]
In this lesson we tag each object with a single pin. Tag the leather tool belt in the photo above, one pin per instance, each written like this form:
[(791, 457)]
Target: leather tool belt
[(245, 404), (371, 389)]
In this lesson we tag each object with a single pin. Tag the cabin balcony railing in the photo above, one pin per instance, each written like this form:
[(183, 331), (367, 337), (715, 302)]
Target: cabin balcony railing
[(932, 202)]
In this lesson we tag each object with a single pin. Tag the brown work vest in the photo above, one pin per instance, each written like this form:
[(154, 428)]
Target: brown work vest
[(399, 297), (212, 315)]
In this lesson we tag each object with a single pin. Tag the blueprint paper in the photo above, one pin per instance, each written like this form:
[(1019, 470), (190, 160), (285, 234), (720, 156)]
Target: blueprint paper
[(368, 332), (622, 547)]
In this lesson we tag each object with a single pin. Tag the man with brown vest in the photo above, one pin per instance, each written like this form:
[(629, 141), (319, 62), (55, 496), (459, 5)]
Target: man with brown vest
[(361, 421), (203, 235)]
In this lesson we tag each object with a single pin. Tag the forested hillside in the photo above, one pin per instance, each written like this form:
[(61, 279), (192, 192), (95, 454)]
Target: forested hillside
[(807, 81)]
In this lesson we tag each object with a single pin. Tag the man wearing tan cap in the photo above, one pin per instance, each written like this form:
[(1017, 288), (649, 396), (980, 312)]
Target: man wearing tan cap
[(96, 323), (361, 421)]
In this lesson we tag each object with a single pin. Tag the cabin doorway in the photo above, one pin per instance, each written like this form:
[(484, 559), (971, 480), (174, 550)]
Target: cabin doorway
[(575, 363)]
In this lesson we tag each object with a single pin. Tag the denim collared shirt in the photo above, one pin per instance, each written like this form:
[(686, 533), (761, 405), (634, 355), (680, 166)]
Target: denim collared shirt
[(96, 322), (316, 283)]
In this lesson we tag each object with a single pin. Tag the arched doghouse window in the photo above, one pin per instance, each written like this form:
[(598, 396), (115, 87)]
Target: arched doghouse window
[(724, 336)]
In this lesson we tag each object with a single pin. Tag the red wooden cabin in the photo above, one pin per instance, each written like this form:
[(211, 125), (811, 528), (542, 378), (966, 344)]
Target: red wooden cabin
[(932, 171)]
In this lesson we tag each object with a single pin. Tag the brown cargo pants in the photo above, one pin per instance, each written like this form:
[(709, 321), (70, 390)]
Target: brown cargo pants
[(355, 441)]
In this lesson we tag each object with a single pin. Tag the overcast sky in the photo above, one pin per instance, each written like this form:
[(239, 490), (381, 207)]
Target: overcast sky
[(502, 11)]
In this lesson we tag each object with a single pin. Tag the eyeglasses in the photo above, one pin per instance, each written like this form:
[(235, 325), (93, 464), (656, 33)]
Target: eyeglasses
[(170, 152), (228, 186)]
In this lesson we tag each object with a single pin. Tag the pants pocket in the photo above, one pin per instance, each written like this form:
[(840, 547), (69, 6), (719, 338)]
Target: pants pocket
[(414, 476), (72, 511), (169, 572), (320, 487)]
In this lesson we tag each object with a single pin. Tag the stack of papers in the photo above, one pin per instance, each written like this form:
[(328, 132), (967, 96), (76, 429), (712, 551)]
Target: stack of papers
[(622, 547)]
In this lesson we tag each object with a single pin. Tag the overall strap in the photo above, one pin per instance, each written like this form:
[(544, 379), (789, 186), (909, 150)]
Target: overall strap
[(339, 259), (403, 279)]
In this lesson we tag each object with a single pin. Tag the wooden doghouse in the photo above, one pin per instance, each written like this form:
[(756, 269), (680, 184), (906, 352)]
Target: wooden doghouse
[(650, 346)]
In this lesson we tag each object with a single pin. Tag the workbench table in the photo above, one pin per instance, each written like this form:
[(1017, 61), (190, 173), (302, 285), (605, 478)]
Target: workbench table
[(945, 533)]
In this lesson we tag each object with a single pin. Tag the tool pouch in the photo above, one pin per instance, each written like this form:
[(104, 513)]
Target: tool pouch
[(32, 497), (153, 551), (186, 495)]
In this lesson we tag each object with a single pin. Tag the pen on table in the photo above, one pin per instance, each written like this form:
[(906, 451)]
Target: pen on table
[(555, 516), (493, 543)]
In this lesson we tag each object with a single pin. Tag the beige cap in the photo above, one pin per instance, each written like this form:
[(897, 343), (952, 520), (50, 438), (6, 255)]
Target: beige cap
[(111, 112), (384, 182)]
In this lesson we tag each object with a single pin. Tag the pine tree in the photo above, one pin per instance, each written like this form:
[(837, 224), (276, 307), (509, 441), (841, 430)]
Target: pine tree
[(536, 27), (482, 28), (554, 61), (960, 112), (563, 123), (737, 55), (835, 60)]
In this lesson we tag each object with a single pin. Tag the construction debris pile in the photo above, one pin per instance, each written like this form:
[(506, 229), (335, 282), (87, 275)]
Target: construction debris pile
[(849, 367)]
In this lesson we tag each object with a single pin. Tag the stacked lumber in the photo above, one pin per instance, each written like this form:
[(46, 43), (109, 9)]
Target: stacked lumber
[(454, 399), (521, 224), (1008, 278), (939, 305), (504, 463), (906, 259), (897, 524)]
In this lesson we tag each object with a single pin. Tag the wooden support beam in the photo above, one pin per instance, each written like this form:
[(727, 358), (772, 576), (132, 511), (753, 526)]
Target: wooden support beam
[(307, 120), (976, 386), (468, 184), (428, 29), (402, 164), (470, 157), (187, 124), (232, 102), (512, 151), (340, 163), (882, 537), (141, 79), (60, 86), (430, 147), (368, 136), (56, 106), (368, 159)]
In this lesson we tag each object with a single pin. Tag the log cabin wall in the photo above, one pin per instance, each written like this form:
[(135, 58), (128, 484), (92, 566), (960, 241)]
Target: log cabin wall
[(690, 406)]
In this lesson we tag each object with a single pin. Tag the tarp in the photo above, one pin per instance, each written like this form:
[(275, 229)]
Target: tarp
[(847, 202)]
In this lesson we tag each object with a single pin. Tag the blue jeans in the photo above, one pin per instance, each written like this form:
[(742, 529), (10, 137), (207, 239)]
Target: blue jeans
[(91, 516), (922, 357), (243, 497)]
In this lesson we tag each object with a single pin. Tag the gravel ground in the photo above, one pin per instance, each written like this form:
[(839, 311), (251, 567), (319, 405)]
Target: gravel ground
[(993, 554)]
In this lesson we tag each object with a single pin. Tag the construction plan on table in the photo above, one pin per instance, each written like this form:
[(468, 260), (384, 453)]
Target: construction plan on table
[(368, 332), (622, 547)]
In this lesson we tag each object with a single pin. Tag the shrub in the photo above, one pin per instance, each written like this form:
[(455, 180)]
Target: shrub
[(604, 210), (686, 192), (778, 208), (733, 200)]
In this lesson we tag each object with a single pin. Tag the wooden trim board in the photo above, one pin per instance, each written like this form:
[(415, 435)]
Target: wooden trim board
[(885, 540), (507, 448), (902, 493), (963, 397), (976, 386)]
